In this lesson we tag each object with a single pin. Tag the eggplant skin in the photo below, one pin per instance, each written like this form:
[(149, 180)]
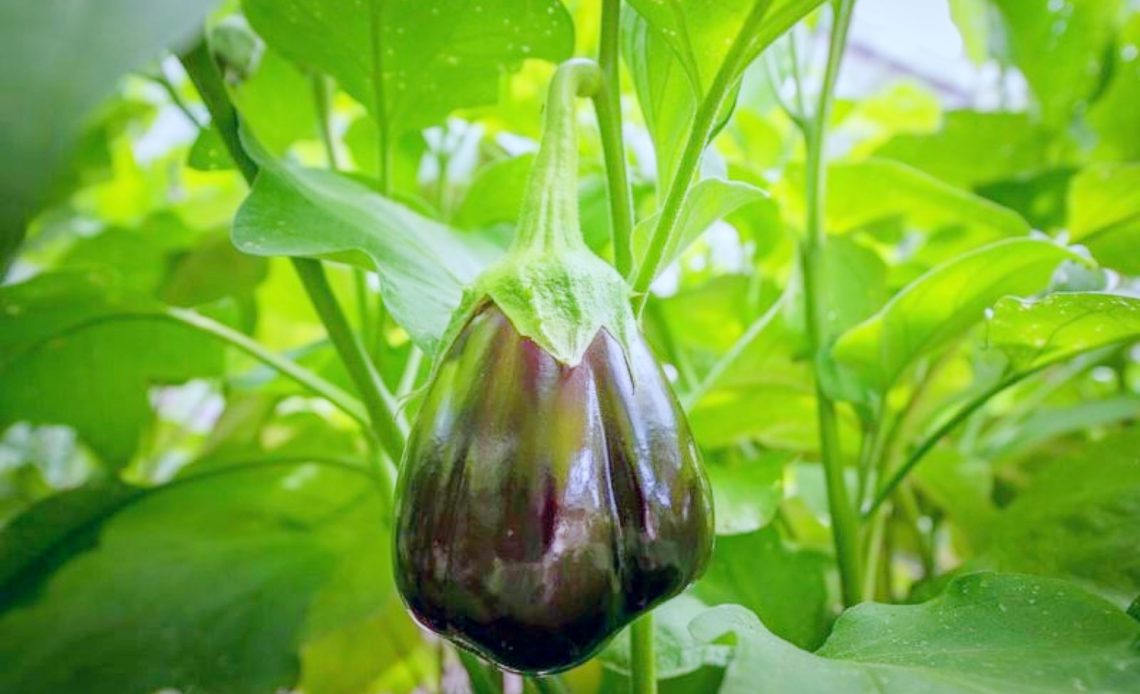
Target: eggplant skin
[(542, 507)]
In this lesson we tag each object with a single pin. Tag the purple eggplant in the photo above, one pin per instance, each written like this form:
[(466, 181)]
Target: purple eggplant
[(543, 506), (550, 491)]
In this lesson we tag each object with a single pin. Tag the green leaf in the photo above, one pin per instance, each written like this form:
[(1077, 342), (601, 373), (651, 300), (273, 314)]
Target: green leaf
[(211, 271), (1116, 112), (747, 493), (277, 103), (962, 488), (1104, 214), (702, 33), (1046, 423), (49, 91), (496, 193), (677, 652), (944, 303), (1078, 518), (30, 546), (986, 632), (708, 201), (664, 92), (974, 147), (876, 190), (380, 53), (674, 51), (423, 265), (778, 416), (70, 357), (202, 585), (786, 587), (1034, 333), (1059, 44)]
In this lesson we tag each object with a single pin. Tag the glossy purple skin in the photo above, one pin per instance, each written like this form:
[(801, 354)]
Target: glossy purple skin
[(541, 507)]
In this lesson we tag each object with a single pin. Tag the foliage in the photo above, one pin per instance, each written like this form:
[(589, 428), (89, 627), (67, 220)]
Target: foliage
[(232, 236)]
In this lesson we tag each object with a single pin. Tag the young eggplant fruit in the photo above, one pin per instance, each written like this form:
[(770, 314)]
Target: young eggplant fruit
[(550, 491)]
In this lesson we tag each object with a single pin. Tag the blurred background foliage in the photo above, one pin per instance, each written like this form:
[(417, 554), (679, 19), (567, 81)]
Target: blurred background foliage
[(179, 514)]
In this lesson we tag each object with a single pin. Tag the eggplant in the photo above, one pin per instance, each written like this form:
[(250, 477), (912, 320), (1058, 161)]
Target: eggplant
[(550, 491)]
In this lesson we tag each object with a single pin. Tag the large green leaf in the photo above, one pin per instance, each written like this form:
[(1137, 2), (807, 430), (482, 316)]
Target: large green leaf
[(785, 586), (877, 190), (69, 357), (58, 60), (985, 633), (1078, 518), (975, 147), (1104, 213), (1059, 44), (411, 62), (943, 303), (1034, 333), (203, 585), (423, 265)]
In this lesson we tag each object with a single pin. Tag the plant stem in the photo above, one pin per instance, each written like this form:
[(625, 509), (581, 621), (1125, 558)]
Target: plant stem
[(874, 555), (324, 118), (378, 401), (934, 437), (699, 134), (203, 72), (379, 102), (844, 520), (317, 385), (549, 684), (607, 104), (324, 121), (643, 663)]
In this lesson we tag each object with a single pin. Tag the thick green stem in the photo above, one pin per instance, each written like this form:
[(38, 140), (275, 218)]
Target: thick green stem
[(377, 399), (380, 102), (203, 72), (550, 209), (844, 520), (643, 663), (607, 104), (665, 231)]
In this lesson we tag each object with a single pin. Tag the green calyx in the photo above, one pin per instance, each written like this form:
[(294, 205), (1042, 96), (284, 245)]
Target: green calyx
[(550, 285)]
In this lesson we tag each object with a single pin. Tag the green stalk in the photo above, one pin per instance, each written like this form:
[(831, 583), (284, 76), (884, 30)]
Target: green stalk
[(643, 663), (323, 107), (324, 120), (378, 401), (314, 383), (607, 104), (380, 103), (844, 520), (934, 437), (704, 123), (549, 219), (203, 72)]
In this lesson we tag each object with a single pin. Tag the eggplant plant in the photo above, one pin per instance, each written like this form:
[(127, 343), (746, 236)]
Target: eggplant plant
[(570, 346)]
